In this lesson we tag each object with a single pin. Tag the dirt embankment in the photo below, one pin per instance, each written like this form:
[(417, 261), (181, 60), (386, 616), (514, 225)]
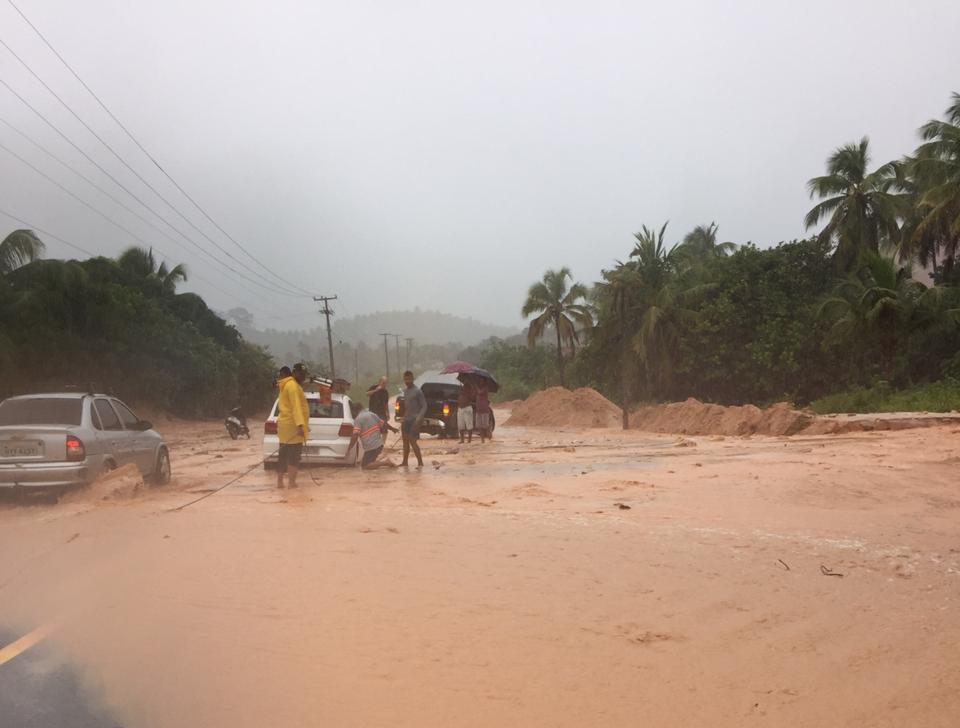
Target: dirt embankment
[(694, 417), (559, 407)]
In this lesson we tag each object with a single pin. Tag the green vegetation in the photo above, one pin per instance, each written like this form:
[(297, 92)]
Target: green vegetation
[(840, 312), (119, 324), (558, 305), (520, 370), (943, 396)]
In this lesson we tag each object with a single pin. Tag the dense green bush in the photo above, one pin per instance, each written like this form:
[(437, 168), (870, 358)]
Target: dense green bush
[(96, 321)]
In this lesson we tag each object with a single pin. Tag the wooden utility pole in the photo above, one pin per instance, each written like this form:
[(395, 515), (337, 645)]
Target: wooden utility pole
[(386, 353), (328, 312), (409, 347), (397, 342)]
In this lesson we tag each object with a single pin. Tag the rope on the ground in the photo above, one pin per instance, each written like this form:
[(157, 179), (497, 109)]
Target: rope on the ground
[(225, 485)]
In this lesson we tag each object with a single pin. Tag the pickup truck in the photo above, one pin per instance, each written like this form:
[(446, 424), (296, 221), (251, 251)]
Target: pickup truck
[(441, 392)]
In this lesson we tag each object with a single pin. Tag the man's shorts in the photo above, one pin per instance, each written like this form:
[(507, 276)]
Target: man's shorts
[(465, 419), (370, 455), (409, 428), (289, 455)]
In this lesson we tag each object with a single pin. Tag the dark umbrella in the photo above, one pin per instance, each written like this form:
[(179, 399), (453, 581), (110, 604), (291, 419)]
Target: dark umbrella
[(492, 385), (465, 369)]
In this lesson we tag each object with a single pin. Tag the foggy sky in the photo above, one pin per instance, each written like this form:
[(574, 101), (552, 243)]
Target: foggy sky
[(444, 154)]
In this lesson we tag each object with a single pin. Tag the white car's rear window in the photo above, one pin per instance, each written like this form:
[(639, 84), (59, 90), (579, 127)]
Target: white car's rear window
[(320, 411)]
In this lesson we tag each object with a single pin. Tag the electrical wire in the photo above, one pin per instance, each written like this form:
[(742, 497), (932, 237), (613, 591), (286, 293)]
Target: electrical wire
[(143, 149), (140, 177), (74, 246), (125, 207)]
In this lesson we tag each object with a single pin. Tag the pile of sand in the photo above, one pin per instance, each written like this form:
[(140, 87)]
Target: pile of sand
[(693, 417), (559, 407)]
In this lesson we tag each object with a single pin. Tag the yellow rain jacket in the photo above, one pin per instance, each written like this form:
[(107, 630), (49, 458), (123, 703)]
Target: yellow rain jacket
[(292, 412)]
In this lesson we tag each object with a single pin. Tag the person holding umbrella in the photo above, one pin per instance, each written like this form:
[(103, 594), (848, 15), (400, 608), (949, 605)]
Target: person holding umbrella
[(465, 421), (484, 411)]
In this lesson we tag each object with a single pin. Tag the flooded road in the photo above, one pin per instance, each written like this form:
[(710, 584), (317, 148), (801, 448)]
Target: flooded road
[(550, 578)]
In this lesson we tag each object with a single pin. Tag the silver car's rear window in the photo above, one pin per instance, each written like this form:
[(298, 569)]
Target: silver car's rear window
[(41, 411)]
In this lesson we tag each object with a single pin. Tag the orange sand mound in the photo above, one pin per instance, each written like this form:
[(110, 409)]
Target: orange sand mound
[(559, 407), (694, 417)]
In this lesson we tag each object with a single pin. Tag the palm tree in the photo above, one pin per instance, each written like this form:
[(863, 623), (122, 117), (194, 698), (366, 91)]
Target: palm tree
[(879, 303), (654, 260), (19, 248), (935, 169), (616, 296), (701, 243), (860, 209), (142, 263), (559, 305)]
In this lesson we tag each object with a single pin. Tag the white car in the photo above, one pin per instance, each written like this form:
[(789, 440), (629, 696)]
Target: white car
[(331, 427)]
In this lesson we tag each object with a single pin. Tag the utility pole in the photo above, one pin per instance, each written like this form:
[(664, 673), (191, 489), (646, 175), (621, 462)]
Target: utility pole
[(328, 312), (409, 347), (356, 366), (386, 353), (397, 342)]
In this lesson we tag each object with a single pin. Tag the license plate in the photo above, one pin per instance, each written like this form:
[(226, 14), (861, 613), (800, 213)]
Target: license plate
[(20, 449)]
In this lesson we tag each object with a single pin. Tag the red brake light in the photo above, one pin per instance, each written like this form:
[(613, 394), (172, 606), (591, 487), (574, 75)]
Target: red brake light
[(396, 406), (76, 452), (346, 430), (269, 428), (446, 410)]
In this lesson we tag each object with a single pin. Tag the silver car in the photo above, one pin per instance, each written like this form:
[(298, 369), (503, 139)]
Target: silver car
[(56, 441)]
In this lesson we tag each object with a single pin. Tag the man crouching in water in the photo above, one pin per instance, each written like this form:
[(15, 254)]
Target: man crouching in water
[(293, 418), (369, 430)]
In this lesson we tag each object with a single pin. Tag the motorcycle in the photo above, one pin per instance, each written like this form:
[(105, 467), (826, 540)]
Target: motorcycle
[(236, 424)]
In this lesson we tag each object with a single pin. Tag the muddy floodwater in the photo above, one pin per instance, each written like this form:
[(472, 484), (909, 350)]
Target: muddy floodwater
[(553, 577)]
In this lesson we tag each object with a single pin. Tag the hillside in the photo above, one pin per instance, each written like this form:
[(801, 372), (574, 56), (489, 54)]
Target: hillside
[(424, 327)]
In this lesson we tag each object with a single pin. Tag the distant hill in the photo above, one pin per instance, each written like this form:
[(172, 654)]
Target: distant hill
[(426, 328)]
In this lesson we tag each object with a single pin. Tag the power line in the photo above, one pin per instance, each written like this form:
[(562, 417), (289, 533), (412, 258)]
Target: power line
[(74, 246), (142, 149), (132, 170), (48, 234), (104, 215)]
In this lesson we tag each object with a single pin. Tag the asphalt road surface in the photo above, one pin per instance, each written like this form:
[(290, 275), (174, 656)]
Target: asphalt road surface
[(39, 689)]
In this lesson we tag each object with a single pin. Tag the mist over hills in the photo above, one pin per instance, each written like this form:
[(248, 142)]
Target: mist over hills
[(426, 328)]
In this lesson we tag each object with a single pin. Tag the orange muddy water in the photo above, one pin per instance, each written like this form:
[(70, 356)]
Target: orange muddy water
[(555, 577)]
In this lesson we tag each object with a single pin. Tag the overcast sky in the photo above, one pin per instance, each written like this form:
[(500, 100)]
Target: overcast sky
[(444, 154)]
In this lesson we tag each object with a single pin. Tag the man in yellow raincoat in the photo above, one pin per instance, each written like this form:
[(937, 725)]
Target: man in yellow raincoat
[(293, 424)]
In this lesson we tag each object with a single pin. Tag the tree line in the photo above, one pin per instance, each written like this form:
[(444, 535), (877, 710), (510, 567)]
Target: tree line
[(120, 325), (733, 323)]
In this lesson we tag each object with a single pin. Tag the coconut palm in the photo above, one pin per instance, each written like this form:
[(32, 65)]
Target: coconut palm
[(860, 209), (561, 305), (879, 303), (935, 169), (701, 243), (142, 263), (617, 297), (19, 248)]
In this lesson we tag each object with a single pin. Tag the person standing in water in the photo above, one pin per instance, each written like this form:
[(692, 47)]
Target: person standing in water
[(379, 398), (415, 408), (465, 400), (484, 415), (293, 424)]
